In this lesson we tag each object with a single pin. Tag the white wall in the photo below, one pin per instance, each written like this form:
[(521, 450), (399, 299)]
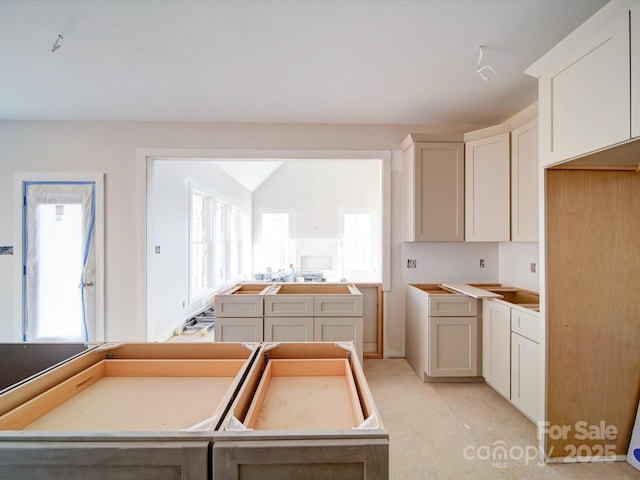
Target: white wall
[(169, 183), (112, 147), (515, 265), (314, 193), (438, 262)]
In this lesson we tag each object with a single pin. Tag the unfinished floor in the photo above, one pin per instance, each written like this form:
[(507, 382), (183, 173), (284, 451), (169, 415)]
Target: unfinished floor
[(438, 431)]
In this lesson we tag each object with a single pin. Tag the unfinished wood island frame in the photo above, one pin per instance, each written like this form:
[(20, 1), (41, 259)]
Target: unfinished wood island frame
[(122, 410), (304, 408)]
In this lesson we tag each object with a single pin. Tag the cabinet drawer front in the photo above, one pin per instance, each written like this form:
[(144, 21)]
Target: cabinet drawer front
[(340, 306), (288, 306), (105, 459), (452, 306), (238, 306), (526, 324)]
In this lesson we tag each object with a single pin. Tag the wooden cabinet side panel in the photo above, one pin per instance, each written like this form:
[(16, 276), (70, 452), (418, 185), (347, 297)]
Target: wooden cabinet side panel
[(487, 189), (589, 96), (593, 325), (524, 183), (371, 319), (416, 314), (635, 71)]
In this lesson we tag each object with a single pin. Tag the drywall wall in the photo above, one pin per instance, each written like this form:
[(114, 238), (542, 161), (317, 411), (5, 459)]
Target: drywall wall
[(168, 212), (112, 147), (515, 265), (315, 192), (438, 262)]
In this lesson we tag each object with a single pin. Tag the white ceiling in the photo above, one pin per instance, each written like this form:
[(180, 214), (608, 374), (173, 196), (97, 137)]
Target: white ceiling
[(331, 61)]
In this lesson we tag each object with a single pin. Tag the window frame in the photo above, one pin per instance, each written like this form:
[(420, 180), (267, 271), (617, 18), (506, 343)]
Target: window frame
[(195, 295)]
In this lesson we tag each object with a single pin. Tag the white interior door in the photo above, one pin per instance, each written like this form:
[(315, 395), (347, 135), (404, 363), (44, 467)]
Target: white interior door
[(59, 261)]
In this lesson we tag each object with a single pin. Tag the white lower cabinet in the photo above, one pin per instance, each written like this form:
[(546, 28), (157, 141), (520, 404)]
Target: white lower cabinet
[(496, 346), (288, 329), (339, 329), (453, 347), (525, 377), (238, 329), (511, 354)]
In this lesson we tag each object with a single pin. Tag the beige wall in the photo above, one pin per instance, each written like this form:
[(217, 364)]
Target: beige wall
[(113, 148)]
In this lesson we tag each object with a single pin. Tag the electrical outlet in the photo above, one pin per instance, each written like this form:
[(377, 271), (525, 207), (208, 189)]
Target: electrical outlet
[(481, 263), (6, 250), (533, 268), (157, 248), (411, 263)]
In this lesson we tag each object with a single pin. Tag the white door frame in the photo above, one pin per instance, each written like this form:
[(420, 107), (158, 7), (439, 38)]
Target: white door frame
[(91, 176), (146, 155)]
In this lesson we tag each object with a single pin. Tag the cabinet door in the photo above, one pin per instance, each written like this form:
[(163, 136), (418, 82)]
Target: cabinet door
[(487, 189), (525, 377), (585, 100), (288, 329), (496, 346), (238, 329), (453, 347), (433, 193), (635, 71), (524, 183), (339, 329)]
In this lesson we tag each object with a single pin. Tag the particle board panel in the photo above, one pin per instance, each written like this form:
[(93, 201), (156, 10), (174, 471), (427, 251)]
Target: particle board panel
[(306, 450), (593, 306), (130, 395), (138, 404), (303, 394)]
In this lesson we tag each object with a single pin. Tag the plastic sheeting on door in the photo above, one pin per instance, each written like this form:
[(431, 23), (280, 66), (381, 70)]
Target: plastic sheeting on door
[(56, 256)]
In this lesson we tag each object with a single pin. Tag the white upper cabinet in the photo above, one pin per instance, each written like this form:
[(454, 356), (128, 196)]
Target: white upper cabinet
[(635, 71), (524, 183), (487, 184), (433, 191), (585, 95)]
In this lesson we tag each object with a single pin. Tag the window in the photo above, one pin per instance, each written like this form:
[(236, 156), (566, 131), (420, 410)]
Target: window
[(200, 245), (275, 240), (221, 235), (357, 245), (235, 241), (216, 243)]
